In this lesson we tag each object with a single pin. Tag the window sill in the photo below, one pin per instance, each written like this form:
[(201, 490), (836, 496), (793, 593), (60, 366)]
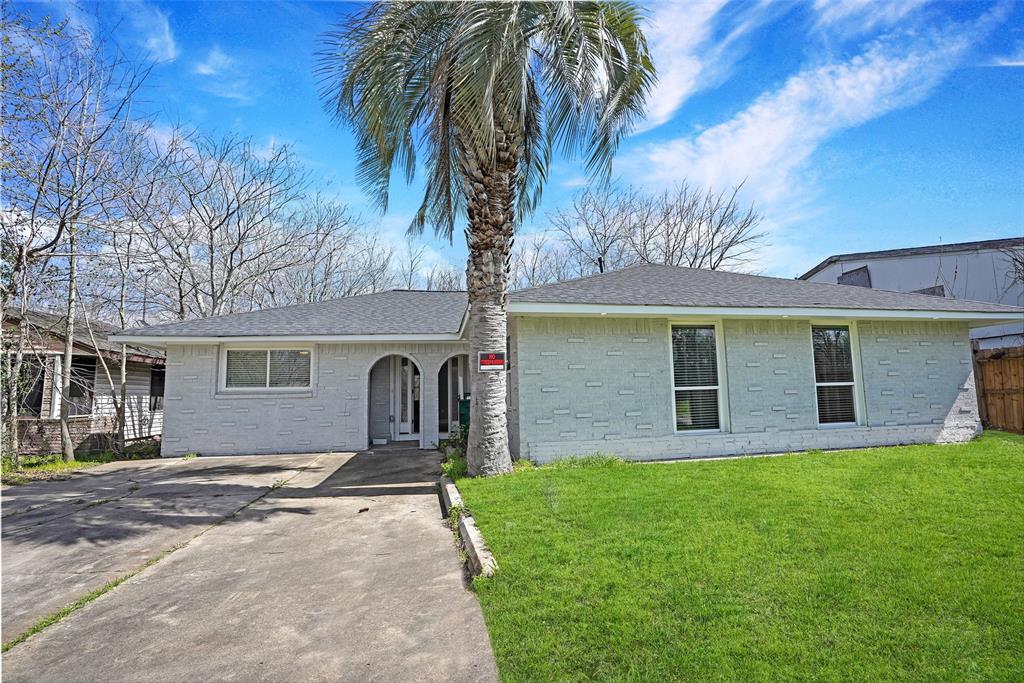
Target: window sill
[(839, 425), (264, 393), (698, 432)]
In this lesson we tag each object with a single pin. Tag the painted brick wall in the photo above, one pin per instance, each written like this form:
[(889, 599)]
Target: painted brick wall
[(331, 417), (770, 366), (604, 385), (588, 379), (919, 373)]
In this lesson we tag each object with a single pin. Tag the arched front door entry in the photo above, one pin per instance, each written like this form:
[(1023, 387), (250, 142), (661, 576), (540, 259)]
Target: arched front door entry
[(395, 405), (452, 386)]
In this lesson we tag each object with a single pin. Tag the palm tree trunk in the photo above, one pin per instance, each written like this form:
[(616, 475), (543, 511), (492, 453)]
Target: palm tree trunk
[(490, 200)]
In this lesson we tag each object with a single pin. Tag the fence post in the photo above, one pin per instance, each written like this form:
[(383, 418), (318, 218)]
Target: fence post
[(979, 384)]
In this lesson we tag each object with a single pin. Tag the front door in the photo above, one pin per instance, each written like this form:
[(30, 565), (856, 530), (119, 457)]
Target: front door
[(405, 396)]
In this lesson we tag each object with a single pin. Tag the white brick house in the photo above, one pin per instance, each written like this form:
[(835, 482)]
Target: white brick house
[(645, 362)]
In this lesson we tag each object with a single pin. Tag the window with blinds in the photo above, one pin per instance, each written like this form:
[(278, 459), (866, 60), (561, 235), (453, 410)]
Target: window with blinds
[(695, 377), (267, 369), (833, 375)]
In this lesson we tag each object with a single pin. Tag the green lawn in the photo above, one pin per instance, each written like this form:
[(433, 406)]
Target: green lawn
[(892, 563)]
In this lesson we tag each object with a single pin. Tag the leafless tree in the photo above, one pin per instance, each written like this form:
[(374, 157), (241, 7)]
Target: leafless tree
[(444, 278), (699, 229), (225, 225), (607, 227), (71, 102), (538, 259), (1015, 255), (594, 229)]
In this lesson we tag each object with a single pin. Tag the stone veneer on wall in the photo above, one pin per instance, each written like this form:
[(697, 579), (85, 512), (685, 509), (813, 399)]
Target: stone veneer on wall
[(591, 385)]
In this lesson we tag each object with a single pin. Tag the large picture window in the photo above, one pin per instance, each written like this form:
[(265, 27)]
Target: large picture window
[(833, 375), (695, 377), (267, 369)]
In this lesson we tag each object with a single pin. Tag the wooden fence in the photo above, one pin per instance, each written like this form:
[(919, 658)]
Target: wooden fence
[(999, 376)]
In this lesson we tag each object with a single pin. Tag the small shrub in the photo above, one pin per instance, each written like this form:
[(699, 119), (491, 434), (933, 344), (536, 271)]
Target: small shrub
[(190, 456), (455, 513), (455, 467), (521, 465)]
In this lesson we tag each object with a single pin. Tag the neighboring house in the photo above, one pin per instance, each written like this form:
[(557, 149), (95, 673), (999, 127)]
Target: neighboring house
[(91, 401), (977, 271), (645, 362)]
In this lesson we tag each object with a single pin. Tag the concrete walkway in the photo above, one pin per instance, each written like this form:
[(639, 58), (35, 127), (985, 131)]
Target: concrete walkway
[(346, 572)]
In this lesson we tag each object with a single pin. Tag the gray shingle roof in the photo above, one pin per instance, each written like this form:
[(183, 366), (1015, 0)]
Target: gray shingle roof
[(43, 323), (660, 285), (416, 312), (383, 313)]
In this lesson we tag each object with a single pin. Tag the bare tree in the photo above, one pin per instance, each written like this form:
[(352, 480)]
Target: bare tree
[(1015, 255), (444, 278), (607, 228), (411, 263), (537, 259), (226, 224), (79, 94), (595, 227)]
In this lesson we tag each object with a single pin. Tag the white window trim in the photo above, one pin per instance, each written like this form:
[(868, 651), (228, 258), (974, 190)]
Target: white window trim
[(222, 373), (723, 379), (859, 408)]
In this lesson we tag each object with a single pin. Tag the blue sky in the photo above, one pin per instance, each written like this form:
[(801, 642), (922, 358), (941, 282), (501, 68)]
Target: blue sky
[(855, 124)]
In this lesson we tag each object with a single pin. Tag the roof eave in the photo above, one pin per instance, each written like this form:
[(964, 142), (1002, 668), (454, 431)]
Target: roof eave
[(975, 318)]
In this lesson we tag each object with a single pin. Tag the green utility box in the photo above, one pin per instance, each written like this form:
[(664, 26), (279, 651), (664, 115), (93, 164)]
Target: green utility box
[(464, 412)]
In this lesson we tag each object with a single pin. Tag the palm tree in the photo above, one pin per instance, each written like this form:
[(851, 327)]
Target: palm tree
[(483, 94)]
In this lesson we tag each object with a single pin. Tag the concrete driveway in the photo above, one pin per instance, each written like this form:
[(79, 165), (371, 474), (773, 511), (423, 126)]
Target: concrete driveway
[(315, 567)]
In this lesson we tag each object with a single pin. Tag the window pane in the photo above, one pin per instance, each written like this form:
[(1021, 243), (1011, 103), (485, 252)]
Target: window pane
[(832, 359), (693, 357), (83, 380), (31, 386), (697, 409), (289, 368), (156, 388), (246, 369), (835, 404)]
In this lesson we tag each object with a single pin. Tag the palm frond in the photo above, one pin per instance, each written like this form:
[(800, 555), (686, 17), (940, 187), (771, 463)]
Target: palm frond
[(431, 83)]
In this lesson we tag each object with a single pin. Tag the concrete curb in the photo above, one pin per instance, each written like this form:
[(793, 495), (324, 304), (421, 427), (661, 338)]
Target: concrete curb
[(479, 557)]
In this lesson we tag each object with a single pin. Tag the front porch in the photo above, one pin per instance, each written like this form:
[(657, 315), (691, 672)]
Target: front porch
[(414, 402)]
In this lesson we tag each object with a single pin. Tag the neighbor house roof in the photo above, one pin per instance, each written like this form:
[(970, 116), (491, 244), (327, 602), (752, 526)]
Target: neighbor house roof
[(43, 324), (392, 313), (1009, 243), (652, 285)]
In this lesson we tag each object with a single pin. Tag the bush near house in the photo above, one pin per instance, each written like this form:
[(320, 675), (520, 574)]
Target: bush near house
[(890, 563)]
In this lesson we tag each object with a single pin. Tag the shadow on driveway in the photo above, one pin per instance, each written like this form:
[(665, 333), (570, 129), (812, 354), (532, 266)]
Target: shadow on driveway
[(347, 572)]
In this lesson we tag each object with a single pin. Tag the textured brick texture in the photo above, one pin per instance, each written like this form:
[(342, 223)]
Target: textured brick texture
[(594, 385), (332, 416)]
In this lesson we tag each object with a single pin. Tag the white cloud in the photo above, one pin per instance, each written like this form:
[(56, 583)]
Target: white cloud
[(687, 54), (769, 144), (153, 30), (1013, 60), (216, 62), (863, 15), (223, 77)]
